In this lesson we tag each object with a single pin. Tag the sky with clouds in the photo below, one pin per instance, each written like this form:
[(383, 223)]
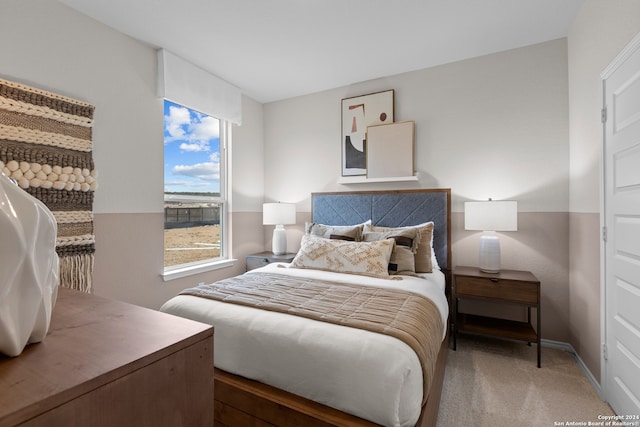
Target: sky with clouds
[(191, 150)]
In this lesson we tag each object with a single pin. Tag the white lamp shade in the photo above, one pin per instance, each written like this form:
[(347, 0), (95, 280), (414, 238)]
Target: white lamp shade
[(491, 216), (278, 213)]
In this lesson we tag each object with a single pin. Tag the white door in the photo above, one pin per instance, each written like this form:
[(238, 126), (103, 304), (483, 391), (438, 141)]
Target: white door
[(622, 222)]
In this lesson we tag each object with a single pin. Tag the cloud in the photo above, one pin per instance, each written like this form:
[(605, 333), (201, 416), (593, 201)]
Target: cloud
[(205, 129), (195, 146), (194, 129), (175, 123), (207, 171), (195, 134)]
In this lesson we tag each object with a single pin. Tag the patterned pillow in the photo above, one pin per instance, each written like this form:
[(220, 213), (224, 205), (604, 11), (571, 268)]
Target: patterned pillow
[(425, 260), (352, 233), (402, 258), (368, 259)]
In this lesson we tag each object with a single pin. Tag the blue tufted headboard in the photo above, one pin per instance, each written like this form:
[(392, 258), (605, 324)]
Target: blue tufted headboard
[(390, 209)]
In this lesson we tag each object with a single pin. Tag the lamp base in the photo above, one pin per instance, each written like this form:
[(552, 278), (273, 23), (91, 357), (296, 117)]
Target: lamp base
[(279, 241), (489, 252)]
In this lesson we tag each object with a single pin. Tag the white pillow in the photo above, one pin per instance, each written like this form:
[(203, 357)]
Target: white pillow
[(341, 256)]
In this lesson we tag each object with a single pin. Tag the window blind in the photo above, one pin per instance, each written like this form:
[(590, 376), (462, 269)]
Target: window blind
[(187, 84)]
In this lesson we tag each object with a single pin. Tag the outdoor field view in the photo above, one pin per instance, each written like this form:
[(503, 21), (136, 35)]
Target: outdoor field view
[(191, 185), (189, 244)]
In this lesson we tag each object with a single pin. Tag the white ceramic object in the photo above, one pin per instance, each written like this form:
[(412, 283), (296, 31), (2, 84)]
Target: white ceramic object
[(28, 268)]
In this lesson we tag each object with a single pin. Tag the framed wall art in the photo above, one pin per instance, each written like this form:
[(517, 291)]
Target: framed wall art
[(358, 113), (390, 150)]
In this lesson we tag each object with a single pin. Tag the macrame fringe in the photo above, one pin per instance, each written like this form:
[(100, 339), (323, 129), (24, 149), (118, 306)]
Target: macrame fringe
[(76, 272)]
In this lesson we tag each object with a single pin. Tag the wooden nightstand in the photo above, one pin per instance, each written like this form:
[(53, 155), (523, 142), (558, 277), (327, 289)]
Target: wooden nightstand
[(508, 287), (263, 258)]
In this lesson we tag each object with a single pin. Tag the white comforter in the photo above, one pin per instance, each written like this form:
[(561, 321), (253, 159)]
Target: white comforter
[(373, 376)]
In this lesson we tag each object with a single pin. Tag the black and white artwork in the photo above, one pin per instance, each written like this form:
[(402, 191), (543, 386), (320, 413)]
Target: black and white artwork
[(358, 113)]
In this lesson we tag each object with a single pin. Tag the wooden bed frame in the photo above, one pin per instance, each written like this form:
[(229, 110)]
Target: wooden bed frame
[(240, 402)]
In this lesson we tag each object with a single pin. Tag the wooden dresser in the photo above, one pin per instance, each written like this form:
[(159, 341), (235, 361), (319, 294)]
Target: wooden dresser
[(107, 363)]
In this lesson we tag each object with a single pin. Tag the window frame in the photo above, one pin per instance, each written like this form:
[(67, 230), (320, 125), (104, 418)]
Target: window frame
[(223, 260)]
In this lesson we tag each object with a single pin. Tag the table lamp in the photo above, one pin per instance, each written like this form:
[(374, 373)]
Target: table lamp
[(279, 214), (489, 217)]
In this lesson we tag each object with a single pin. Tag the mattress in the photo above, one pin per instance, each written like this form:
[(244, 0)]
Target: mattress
[(318, 360)]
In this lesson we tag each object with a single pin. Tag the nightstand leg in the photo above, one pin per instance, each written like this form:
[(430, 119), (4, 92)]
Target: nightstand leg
[(538, 326), (529, 320), (539, 356), (455, 323)]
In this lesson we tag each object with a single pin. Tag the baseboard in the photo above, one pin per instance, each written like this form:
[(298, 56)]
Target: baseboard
[(569, 348)]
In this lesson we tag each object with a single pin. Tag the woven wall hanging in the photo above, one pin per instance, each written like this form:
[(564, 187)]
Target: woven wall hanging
[(45, 146)]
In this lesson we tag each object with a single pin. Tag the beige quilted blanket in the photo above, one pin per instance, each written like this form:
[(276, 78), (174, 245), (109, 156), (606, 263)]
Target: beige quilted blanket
[(409, 317)]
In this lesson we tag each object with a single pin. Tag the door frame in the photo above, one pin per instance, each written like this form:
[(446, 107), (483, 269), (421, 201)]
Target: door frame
[(624, 54)]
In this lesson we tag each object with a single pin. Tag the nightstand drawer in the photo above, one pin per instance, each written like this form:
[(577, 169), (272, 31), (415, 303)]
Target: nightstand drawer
[(502, 289)]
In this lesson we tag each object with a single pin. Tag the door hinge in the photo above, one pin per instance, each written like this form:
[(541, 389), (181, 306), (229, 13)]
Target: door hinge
[(604, 115), (604, 233), (605, 356)]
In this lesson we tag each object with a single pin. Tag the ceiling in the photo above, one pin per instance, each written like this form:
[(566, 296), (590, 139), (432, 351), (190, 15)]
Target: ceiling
[(277, 49)]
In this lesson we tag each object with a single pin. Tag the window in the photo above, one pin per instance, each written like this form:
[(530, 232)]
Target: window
[(194, 188)]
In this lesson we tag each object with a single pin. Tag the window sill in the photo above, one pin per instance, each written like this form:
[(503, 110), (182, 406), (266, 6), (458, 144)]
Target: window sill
[(173, 273)]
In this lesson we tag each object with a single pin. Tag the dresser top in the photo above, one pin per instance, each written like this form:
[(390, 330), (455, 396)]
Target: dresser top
[(91, 342)]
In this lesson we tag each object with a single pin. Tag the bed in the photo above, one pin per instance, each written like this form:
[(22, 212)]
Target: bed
[(276, 369)]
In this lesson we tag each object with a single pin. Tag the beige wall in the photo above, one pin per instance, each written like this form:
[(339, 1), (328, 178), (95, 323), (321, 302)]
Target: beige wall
[(600, 31), (50, 46), (494, 126)]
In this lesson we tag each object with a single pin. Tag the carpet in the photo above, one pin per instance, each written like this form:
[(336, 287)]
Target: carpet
[(46, 147), (491, 382)]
